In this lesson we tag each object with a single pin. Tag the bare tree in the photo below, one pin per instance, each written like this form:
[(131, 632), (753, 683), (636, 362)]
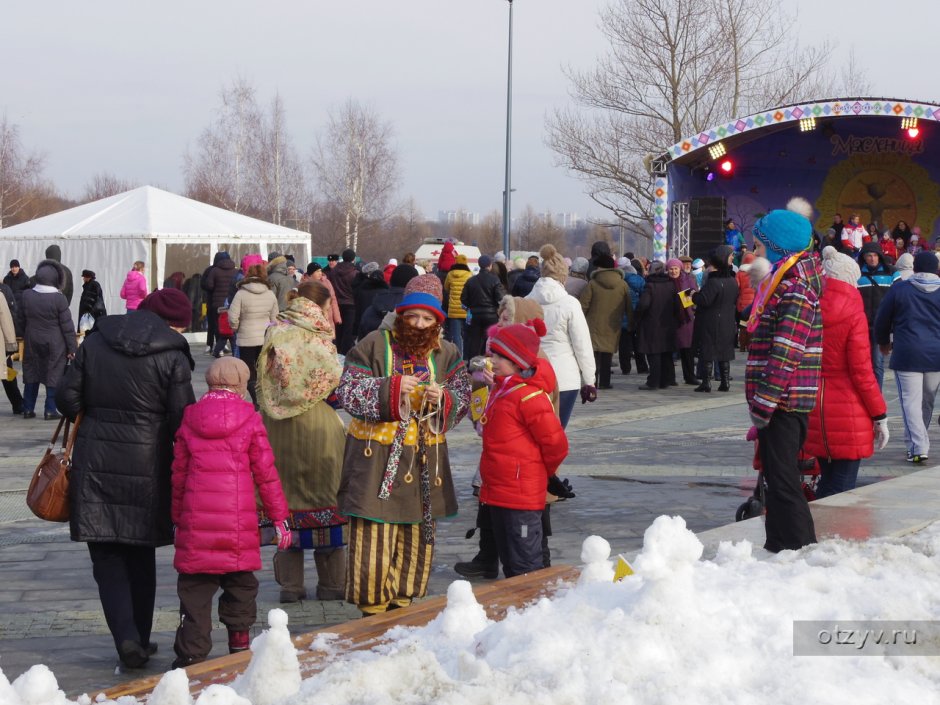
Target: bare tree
[(104, 184), (278, 186), (357, 167), (854, 81), (20, 174), (227, 151), (675, 67)]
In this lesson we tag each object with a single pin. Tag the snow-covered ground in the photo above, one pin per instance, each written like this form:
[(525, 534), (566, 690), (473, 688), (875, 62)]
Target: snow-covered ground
[(680, 630)]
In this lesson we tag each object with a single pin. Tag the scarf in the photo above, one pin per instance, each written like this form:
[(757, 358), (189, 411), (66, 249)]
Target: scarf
[(297, 366), (767, 287)]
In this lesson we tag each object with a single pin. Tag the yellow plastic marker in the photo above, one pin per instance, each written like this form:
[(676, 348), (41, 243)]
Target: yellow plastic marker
[(622, 569)]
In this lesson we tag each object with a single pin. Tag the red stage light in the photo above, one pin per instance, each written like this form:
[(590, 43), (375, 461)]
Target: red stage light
[(913, 132), (727, 167)]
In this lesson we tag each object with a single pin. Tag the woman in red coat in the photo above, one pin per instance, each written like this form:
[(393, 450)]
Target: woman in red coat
[(850, 415)]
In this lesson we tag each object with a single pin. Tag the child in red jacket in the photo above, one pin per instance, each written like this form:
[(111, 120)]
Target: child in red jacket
[(523, 445), (221, 455)]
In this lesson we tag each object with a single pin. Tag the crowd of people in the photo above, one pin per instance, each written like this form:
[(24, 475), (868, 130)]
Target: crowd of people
[(407, 350)]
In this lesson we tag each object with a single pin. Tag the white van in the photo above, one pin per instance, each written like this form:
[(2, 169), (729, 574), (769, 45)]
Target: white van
[(433, 246)]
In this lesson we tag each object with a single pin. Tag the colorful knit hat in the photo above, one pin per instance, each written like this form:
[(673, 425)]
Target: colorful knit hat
[(425, 302), (429, 284), (519, 343)]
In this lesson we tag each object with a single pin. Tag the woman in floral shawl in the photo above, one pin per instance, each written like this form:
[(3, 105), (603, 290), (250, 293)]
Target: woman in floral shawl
[(297, 371), (405, 388)]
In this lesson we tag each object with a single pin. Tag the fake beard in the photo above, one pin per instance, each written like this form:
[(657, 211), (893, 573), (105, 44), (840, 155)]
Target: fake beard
[(415, 341)]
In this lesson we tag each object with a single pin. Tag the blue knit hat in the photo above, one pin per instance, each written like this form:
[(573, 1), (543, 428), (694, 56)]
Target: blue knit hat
[(783, 233), (427, 302)]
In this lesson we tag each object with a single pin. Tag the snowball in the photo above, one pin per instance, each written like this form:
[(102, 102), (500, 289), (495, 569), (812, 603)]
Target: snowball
[(217, 694), (173, 689), (668, 548), (38, 687), (595, 549), (274, 671), (734, 552)]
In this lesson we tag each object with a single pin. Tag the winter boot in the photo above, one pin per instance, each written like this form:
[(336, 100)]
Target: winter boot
[(289, 574), (331, 573), (238, 640), (725, 369), (706, 385)]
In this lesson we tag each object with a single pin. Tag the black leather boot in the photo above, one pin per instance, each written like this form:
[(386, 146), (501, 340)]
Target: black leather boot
[(725, 369), (706, 385)]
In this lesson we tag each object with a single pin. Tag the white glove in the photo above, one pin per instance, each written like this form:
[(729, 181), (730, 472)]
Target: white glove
[(881, 434)]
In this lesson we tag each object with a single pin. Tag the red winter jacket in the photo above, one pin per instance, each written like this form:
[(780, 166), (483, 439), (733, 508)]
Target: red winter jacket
[(523, 441), (221, 454), (848, 398)]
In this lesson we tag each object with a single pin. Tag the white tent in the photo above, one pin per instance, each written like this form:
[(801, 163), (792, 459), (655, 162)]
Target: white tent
[(169, 233)]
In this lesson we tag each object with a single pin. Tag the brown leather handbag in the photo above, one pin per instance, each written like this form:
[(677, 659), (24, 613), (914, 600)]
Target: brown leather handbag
[(48, 493)]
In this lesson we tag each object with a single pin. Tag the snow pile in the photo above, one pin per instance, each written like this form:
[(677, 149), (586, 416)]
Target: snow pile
[(679, 630)]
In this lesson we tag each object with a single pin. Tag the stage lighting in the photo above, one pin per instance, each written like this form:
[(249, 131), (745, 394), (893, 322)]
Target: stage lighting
[(726, 168), (717, 151), (909, 123), (807, 124), (913, 133)]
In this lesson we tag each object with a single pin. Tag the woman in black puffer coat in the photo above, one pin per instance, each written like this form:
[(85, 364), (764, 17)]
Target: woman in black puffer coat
[(131, 379), (658, 315), (715, 320)]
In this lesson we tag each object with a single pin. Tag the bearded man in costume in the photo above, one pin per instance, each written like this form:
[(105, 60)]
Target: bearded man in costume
[(405, 387)]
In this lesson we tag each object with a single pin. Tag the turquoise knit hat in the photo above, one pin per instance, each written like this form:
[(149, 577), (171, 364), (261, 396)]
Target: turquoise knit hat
[(783, 233)]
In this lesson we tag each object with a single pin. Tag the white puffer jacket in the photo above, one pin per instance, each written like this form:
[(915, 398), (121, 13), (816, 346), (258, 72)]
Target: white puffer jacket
[(567, 344), (251, 311)]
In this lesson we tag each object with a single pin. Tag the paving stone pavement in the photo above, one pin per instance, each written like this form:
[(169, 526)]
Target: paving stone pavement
[(634, 456)]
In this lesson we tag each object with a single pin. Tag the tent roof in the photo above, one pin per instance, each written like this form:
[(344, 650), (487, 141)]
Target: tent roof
[(150, 212)]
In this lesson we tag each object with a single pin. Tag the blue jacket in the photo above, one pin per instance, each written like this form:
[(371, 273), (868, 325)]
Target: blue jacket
[(875, 281), (636, 283), (911, 311)]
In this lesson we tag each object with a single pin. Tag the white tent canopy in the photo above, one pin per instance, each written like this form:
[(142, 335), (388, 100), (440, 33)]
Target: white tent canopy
[(167, 232)]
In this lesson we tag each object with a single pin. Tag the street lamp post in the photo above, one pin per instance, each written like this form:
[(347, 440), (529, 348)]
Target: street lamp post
[(507, 191)]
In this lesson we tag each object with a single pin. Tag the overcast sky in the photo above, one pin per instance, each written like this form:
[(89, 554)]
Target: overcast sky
[(125, 87)]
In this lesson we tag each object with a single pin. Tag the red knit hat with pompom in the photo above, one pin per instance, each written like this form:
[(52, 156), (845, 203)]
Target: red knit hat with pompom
[(519, 343)]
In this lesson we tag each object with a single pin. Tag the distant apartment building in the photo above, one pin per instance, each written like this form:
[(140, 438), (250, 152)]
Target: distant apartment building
[(566, 221), (458, 216)]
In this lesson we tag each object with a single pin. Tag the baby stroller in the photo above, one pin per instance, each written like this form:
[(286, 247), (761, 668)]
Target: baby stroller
[(756, 504)]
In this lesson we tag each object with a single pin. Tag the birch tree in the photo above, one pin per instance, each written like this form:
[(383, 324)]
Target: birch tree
[(356, 167), (674, 68), (20, 173), (218, 172)]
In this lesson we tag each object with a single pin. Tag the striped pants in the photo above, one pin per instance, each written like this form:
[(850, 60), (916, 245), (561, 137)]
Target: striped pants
[(387, 565)]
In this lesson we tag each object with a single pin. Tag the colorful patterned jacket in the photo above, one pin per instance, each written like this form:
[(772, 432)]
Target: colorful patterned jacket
[(786, 348)]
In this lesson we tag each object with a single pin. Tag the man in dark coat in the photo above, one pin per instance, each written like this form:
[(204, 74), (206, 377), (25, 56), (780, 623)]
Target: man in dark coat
[(341, 277), (523, 284), (54, 253), (386, 301), (658, 315), (16, 279), (481, 296), (368, 284), (131, 379), (49, 337)]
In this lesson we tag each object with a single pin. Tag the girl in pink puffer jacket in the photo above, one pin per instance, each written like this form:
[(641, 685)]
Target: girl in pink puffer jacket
[(221, 455), (134, 289)]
